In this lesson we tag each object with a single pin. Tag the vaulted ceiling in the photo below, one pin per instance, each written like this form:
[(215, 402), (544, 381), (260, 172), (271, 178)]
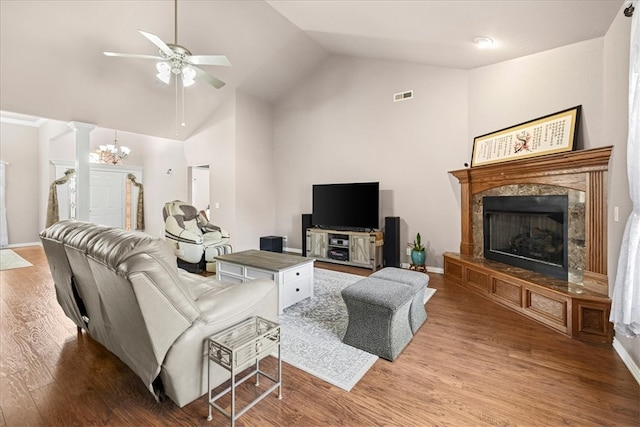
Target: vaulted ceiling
[(52, 63)]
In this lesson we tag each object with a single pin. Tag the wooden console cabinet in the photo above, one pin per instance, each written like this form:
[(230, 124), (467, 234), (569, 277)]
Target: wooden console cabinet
[(568, 309), (360, 249)]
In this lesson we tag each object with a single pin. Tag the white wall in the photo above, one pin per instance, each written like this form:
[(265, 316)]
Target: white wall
[(255, 172), (533, 86), (340, 124), (616, 115), (19, 148), (215, 145), (48, 129), (237, 143), (160, 155)]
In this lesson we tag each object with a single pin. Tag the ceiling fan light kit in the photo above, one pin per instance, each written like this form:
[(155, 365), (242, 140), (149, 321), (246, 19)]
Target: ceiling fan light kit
[(178, 60), (164, 72)]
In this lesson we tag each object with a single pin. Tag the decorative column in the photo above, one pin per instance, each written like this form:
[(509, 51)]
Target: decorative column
[(83, 171), (466, 211), (595, 269)]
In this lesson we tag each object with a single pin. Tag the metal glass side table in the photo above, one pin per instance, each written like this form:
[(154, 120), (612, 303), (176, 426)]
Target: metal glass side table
[(236, 349)]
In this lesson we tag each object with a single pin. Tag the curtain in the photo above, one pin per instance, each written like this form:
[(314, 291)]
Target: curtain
[(4, 232), (625, 308), (52, 204), (140, 209)]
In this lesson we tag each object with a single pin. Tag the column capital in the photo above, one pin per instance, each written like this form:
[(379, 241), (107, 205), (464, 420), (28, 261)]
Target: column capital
[(77, 126)]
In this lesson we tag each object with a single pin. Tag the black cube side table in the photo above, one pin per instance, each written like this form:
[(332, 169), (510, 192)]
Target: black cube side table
[(271, 243)]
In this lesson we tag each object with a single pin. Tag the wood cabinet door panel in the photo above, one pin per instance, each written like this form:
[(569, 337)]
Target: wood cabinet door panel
[(477, 279), (551, 310), (507, 292)]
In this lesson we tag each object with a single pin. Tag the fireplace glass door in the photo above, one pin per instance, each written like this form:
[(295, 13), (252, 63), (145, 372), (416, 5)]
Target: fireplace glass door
[(528, 232)]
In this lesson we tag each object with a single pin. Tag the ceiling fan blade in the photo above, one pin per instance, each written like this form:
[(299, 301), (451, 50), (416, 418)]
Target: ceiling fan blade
[(134, 55), (209, 78), (158, 42), (210, 60)]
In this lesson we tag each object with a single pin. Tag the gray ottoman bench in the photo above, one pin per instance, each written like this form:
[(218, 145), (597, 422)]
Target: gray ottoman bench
[(418, 282), (378, 316)]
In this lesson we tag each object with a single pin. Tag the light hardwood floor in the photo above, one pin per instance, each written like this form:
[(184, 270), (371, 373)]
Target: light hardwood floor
[(472, 363)]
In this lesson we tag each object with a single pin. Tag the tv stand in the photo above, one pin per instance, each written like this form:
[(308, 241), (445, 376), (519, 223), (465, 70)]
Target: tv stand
[(357, 248)]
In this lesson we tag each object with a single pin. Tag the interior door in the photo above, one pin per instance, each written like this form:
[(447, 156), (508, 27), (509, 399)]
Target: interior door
[(199, 188), (107, 198)]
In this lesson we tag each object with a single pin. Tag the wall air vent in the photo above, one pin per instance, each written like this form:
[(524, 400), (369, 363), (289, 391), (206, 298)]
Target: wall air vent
[(403, 96)]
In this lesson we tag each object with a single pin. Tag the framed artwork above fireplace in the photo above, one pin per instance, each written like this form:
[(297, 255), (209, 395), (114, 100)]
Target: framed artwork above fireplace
[(554, 133)]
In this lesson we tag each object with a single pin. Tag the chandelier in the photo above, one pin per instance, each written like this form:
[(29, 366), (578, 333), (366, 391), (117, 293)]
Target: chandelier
[(111, 153)]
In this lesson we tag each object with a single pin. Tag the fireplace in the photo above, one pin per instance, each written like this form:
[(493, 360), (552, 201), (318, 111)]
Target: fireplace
[(578, 306), (530, 232)]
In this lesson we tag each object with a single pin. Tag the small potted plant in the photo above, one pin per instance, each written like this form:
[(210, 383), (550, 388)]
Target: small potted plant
[(417, 252)]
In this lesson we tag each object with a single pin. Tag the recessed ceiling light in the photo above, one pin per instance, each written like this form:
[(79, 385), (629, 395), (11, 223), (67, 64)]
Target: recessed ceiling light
[(483, 42)]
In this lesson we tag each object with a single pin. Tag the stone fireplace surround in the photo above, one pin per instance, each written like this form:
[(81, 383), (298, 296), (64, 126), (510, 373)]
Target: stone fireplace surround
[(578, 307)]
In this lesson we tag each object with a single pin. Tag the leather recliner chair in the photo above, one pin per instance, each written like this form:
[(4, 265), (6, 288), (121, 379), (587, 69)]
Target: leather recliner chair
[(195, 241)]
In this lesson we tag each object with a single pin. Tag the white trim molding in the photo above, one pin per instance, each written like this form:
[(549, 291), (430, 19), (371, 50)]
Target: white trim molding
[(626, 358), (21, 119), (22, 245)]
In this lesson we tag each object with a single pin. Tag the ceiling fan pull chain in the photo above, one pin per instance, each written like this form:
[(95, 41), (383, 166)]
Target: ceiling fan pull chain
[(176, 79), (183, 123)]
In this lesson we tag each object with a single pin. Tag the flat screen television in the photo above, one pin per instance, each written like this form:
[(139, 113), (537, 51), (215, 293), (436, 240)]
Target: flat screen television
[(346, 206)]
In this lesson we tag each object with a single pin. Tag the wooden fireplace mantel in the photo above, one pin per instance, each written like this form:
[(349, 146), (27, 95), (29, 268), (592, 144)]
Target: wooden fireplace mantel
[(583, 170)]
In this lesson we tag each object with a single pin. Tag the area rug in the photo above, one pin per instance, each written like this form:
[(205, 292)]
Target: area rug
[(312, 332), (10, 260)]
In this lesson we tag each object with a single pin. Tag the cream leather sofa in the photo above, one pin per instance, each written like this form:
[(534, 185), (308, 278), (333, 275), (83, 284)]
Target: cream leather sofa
[(125, 289)]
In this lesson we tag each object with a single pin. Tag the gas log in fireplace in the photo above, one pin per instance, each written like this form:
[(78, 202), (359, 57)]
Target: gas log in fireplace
[(540, 241), (528, 232)]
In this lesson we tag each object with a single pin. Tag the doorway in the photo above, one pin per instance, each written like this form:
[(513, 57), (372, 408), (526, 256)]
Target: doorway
[(199, 188)]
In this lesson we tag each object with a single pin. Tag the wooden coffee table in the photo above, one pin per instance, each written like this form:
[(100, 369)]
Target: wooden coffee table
[(293, 274)]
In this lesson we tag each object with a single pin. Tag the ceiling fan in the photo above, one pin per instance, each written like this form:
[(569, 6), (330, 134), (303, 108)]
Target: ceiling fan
[(178, 60)]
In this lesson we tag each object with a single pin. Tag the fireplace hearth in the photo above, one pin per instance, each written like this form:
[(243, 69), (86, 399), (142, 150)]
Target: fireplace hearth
[(530, 232)]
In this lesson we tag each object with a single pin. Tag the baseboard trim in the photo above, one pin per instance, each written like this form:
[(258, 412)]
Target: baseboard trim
[(438, 270), (294, 250), (22, 245), (628, 361)]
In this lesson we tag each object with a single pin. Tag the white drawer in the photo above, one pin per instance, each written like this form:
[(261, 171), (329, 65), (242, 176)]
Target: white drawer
[(225, 278), (297, 273), (296, 291), (253, 273), (237, 270)]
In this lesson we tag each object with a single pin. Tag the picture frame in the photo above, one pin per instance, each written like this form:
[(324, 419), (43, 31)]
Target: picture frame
[(554, 133)]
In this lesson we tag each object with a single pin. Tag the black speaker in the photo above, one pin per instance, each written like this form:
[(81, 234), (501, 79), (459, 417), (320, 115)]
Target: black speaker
[(306, 223), (391, 248), (271, 243)]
